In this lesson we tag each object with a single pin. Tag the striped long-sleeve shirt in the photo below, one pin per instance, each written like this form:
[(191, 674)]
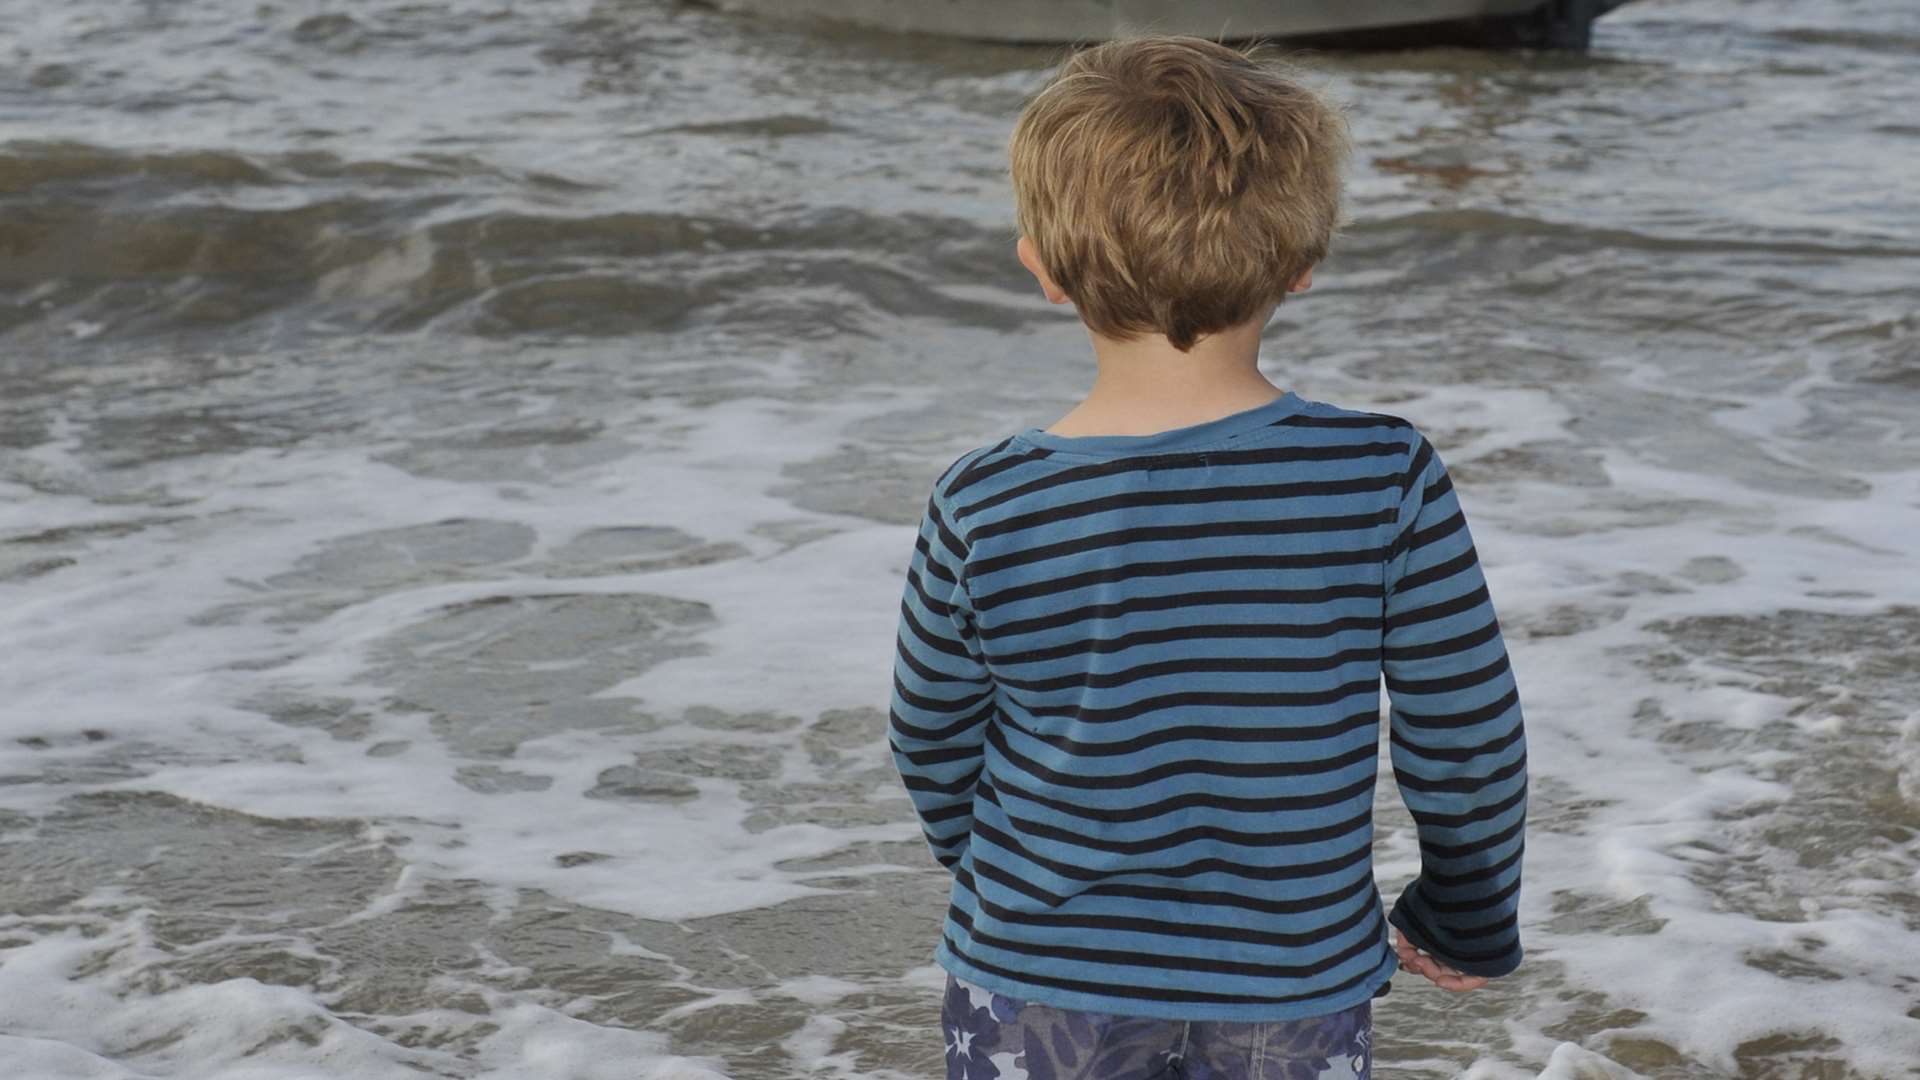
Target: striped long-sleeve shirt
[(1136, 708)]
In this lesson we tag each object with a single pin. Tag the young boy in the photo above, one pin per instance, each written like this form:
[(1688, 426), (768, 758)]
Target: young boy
[(1136, 694)]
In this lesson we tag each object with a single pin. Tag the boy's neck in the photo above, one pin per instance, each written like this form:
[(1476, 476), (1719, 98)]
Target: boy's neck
[(1146, 386)]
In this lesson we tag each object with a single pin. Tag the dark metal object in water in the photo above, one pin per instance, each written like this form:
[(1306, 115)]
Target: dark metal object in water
[(1555, 24)]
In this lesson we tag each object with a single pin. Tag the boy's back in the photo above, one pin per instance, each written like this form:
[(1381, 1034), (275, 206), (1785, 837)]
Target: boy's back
[(1136, 689), (1137, 709)]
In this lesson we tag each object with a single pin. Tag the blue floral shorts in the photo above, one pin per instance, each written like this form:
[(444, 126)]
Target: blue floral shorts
[(991, 1036)]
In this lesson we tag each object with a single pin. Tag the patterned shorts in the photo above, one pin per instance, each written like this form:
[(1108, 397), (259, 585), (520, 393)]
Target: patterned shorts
[(991, 1036)]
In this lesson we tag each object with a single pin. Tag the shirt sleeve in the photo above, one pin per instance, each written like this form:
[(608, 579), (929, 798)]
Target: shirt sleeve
[(943, 695), (1457, 742)]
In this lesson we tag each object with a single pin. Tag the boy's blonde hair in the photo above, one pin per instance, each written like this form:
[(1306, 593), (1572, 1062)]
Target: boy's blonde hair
[(1174, 185)]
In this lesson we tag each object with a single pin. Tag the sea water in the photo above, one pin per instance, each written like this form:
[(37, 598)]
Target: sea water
[(458, 465)]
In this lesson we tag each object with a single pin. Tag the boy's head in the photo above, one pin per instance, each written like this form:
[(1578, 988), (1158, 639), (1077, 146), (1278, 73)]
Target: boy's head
[(1174, 185)]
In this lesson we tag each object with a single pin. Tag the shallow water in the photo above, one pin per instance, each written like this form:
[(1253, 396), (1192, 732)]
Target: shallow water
[(458, 462)]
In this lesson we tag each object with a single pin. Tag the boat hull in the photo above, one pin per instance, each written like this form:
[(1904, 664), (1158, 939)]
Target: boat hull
[(1087, 20)]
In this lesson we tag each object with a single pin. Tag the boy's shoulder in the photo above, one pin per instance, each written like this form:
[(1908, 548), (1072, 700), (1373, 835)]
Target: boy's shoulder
[(1314, 415), (1318, 413), (1370, 426), (955, 474)]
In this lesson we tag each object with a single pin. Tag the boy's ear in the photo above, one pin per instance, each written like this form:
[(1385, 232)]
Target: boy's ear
[(1303, 283), (1029, 259)]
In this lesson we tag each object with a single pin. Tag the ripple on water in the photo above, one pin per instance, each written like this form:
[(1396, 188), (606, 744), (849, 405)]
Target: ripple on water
[(499, 670), (1843, 744)]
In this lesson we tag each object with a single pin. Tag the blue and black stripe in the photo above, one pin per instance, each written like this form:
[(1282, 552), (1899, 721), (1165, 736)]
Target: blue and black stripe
[(1136, 707)]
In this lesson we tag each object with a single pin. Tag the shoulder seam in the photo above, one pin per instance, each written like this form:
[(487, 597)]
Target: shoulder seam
[(1409, 475), (951, 478)]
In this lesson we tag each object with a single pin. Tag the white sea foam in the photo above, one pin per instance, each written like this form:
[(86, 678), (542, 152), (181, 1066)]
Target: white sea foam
[(1684, 882), (112, 644)]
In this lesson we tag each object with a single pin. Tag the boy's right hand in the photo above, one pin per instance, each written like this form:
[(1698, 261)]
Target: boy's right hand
[(1418, 962)]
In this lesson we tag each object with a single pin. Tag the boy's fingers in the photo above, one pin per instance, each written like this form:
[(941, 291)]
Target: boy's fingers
[(1440, 974), (1420, 962), (1454, 980)]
